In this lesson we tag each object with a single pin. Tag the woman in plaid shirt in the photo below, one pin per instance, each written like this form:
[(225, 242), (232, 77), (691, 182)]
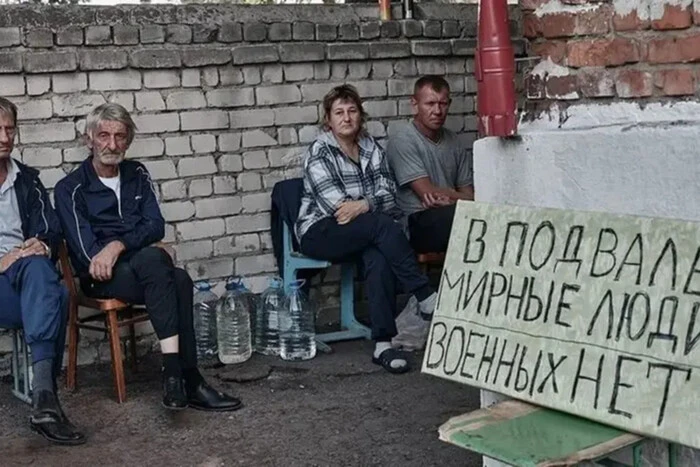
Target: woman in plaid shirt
[(348, 212)]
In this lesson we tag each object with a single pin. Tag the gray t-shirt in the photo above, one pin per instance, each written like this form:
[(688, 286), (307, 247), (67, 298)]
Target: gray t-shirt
[(447, 163)]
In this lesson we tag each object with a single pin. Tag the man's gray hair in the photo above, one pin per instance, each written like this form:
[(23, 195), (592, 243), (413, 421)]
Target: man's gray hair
[(113, 113), (8, 108)]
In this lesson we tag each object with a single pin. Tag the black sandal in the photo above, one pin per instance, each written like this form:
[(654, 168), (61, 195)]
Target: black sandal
[(389, 355)]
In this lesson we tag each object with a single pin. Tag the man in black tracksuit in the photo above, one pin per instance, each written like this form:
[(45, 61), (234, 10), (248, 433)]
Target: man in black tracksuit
[(111, 220)]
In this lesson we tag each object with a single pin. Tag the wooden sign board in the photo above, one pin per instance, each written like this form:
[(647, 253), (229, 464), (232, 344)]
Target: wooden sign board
[(589, 313)]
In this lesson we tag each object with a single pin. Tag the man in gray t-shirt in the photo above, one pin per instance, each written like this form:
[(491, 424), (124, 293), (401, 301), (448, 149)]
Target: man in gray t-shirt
[(432, 168)]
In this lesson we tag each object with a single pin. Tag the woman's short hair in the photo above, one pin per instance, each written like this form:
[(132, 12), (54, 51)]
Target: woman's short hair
[(113, 113), (345, 92), (8, 108)]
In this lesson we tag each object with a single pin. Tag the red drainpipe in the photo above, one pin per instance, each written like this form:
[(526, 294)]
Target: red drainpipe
[(495, 71)]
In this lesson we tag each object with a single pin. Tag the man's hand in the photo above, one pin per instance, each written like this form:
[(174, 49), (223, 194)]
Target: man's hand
[(103, 262), (33, 247), (9, 258), (349, 210), (436, 199)]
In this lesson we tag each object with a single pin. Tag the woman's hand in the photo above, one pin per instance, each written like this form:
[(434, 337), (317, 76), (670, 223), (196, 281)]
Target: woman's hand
[(349, 210)]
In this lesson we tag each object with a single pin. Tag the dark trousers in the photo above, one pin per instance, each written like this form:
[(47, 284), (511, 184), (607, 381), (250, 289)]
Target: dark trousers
[(429, 230), (149, 277), (32, 298), (385, 256)]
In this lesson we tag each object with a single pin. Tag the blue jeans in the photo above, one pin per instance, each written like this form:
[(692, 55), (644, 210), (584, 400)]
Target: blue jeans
[(32, 298)]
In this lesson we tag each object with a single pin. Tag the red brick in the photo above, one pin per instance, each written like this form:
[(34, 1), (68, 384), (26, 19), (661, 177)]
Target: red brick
[(562, 87), (595, 21), (634, 83), (674, 17), (558, 25), (534, 87), (531, 26), (674, 50), (597, 83), (555, 50), (630, 22), (675, 82), (602, 52)]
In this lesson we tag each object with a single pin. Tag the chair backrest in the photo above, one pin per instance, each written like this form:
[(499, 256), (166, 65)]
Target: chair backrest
[(286, 198), (66, 269)]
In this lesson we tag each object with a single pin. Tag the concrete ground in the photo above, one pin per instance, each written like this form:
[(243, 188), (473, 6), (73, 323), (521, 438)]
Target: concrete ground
[(336, 410)]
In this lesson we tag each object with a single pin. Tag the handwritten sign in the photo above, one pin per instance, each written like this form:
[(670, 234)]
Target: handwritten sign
[(589, 313)]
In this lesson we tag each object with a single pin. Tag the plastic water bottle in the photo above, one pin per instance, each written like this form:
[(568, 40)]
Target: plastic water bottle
[(297, 325), (254, 304), (267, 319), (205, 302), (233, 324)]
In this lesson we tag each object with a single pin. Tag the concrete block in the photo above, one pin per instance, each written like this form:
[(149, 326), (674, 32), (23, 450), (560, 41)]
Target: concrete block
[(279, 32), (287, 136), (174, 189), (113, 80), (405, 108), (37, 85), (255, 160), (270, 179), (376, 129), (191, 78), (401, 87), (255, 264), (432, 28), (185, 100), (314, 92), (390, 49), (200, 165), (125, 34), (98, 35), (254, 32), (157, 123), (348, 51), (45, 62), (42, 157), (281, 157), (257, 138), (204, 120), (412, 28), (203, 56), (178, 34), (9, 37), (224, 184), (369, 29), (152, 34), (200, 187), (149, 101), (302, 52), (145, 147), (308, 133), (195, 230), (431, 48), (283, 94), (237, 245), (36, 109), (406, 67), (370, 88), (298, 72), (255, 54), (217, 207), (198, 249), (455, 66), (229, 75), (71, 35), (230, 163), (210, 76), (377, 109), (211, 268), (177, 210), (322, 70), (202, 144), (359, 70), (102, 59), (272, 74), (45, 132), (251, 75), (169, 233), (204, 33), (253, 118), (39, 37), (177, 146), (231, 97), (155, 58), (161, 170), (382, 69), (348, 32), (125, 99), (462, 105), (71, 82), (293, 115), (326, 32), (50, 177), (247, 223), (391, 29), (71, 105), (339, 71), (229, 142), (230, 32), (430, 66), (78, 154), (451, 28), (161, 79), (303, 31), (248, 181)]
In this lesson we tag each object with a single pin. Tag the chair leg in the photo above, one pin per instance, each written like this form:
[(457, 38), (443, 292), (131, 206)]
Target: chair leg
[(132, 347), (73, 337), (116, 349)]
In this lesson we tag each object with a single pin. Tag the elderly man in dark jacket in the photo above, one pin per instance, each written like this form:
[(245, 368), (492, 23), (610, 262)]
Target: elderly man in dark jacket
[(31, 295)]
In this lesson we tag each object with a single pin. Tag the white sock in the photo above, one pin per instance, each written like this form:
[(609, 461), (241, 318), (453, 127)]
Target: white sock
[(380, 347), (427, 306)]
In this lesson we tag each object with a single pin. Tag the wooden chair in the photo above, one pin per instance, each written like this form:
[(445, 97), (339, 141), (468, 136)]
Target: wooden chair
[(114, 314), (425, 260)]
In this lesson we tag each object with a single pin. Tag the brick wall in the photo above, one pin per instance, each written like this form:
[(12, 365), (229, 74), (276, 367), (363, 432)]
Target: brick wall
[(225, 98), (599, 51)]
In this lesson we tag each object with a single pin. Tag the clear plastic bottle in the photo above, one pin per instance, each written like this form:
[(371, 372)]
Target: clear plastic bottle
[(233, 324), (297, 325), (267, 318), (205, 302)]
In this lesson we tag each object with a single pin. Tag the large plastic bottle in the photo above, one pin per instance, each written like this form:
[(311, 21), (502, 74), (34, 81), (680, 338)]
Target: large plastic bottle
[(205, 302), (266, 335), (297, 325), (233, 324)]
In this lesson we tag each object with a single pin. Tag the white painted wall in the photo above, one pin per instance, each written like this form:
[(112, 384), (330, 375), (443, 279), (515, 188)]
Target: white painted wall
[(617, 158)]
